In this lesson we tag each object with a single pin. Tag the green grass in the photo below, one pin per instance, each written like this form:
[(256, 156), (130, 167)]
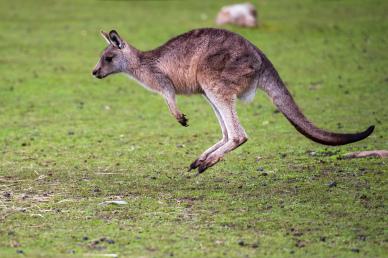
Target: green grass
[(69, 142)]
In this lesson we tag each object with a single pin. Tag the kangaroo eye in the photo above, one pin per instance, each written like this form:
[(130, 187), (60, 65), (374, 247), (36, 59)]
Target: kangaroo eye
[(108, 58)]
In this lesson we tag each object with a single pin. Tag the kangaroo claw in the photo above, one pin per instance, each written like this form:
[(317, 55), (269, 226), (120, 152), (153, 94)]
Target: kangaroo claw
[(194, 165), (183, 120)]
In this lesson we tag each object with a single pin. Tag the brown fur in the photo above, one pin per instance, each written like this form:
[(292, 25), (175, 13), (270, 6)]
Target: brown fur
[(220, 65)]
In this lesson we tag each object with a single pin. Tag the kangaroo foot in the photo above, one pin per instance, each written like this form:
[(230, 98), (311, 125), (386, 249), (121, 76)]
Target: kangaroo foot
[(210, 161), (195, 164)]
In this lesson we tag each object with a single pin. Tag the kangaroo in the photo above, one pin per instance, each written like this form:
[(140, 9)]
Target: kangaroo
[(223, 67)]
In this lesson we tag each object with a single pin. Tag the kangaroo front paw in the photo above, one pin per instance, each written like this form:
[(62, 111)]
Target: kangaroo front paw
[(183, 120)]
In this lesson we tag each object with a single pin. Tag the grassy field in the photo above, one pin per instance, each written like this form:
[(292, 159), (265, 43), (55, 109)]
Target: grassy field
[(69, 142)]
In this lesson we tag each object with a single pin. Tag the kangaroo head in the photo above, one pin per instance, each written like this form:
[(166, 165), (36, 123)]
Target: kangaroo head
[(117, 57)]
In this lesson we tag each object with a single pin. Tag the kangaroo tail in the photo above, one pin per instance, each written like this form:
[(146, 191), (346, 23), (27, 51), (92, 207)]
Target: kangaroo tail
[(271, 83)]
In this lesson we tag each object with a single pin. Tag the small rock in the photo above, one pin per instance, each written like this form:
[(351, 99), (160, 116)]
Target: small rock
[(15, 243), (110, 241), (118, 202), (297, 234), (219, 242), (7, 194), (244, 15), (260, 169), (241, 242), (255, 245), (332, 184), (300, 244)]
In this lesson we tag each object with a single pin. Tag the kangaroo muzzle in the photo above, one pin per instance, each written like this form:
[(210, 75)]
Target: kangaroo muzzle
[(97, 73)]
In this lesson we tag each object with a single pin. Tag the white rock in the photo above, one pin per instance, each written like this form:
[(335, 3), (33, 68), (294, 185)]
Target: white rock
[(117, 202), (244, 15)]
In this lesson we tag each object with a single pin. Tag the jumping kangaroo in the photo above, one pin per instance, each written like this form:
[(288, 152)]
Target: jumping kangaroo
[(220, 65)]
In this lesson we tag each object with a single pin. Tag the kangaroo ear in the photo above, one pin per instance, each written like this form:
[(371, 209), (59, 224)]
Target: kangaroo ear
[(116, 40), (105, 36)]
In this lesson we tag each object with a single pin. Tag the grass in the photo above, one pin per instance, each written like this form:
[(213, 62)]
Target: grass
[(69, 142)]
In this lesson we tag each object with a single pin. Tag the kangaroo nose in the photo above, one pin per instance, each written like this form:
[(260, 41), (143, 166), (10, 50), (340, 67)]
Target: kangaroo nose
[(94, 72)]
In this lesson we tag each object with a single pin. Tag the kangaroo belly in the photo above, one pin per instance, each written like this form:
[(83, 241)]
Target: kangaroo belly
[(184, 80), (183, 75)]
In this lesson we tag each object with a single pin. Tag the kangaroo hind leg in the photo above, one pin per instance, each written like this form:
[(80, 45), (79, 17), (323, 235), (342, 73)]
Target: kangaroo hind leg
[(224, 139), (236, 133)]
